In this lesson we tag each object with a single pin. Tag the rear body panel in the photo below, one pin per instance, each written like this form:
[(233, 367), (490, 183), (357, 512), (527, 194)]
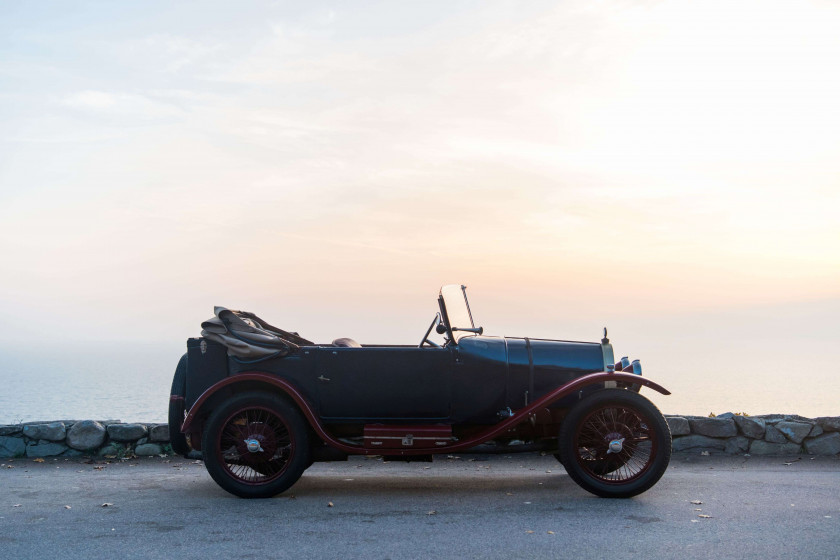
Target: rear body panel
[(207, 364)]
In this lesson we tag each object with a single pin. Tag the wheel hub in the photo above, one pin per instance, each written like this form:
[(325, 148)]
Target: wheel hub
[(256, 443), (616, 446)]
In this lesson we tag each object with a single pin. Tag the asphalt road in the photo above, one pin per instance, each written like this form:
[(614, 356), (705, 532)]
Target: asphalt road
[(518, 506)]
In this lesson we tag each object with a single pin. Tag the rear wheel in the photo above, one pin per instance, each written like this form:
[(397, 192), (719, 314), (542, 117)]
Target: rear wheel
[(615, 444), (256, 445)]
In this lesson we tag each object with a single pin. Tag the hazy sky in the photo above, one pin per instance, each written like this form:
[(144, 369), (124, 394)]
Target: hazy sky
[(670, 169)]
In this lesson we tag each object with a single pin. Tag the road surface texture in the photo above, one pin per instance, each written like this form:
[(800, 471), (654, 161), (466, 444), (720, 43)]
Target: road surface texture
[(508, 506)]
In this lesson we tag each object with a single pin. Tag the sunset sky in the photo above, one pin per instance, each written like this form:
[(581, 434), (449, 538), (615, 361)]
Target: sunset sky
[(668, 169)]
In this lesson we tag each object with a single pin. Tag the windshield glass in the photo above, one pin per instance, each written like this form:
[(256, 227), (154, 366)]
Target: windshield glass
[(458, 314)]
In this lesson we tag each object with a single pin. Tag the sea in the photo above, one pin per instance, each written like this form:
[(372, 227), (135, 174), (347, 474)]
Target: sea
[(779, 361), (118, 381)]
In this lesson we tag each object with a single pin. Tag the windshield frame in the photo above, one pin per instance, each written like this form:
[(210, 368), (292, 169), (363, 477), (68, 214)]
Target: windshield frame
[(453, 298)]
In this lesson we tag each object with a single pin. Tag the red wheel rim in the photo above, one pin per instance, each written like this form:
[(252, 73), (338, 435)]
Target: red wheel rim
[(611, 423), (276, 445)]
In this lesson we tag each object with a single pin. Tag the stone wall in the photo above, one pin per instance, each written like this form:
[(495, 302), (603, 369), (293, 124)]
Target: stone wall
[(772, 434), (769, 434), (74, 438)]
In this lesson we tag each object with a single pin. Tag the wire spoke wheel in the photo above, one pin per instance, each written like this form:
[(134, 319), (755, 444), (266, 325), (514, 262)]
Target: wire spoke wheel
[(275, 445), (609, 424), (256, 445), (615, 443)]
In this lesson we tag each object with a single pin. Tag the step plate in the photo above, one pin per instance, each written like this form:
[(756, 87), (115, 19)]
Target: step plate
[(384, 436)]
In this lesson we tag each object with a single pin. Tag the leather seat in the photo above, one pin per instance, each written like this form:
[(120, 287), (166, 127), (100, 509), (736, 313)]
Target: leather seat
[(346, 343)]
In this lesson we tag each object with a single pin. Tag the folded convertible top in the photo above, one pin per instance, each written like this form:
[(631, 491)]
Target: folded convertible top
[(247, 336)]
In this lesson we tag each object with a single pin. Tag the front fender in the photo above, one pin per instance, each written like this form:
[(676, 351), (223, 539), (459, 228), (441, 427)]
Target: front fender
[(603, 377)]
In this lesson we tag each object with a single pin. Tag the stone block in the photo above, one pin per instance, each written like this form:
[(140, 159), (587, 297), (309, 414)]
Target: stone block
[(735, 445), (679, 425), (750, 427), (54, 431), (10, 430), (12, 447), (826, 444), (73, 453), (45, 448), (110, 449), (816, 431), (148, 450), (794, 431), (761, 447), (829, 423), (159, 432), (773, 435), (86, 435), (713, 427), (697, 442), (725, 415), (772, 418), (127, 432)]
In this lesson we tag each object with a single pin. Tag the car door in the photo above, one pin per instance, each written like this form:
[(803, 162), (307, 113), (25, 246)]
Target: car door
[(384, 383)]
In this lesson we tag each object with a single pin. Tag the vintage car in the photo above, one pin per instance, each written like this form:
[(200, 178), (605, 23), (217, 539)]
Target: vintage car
[(262, 404)]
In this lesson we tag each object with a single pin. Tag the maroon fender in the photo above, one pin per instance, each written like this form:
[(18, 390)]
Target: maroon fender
[(491, 432)]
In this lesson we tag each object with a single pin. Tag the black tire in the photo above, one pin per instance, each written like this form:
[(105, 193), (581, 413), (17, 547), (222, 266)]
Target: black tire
[(283, 441), (635, 464), (606, 466), (177, 440), (600, 467)]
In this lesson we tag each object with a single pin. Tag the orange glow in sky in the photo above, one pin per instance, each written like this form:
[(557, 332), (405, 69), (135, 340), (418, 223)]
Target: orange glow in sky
[(663, 167)]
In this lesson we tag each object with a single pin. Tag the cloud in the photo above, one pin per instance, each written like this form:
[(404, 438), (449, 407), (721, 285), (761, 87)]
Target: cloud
[(121, 106), (91, 100), (176, 53)]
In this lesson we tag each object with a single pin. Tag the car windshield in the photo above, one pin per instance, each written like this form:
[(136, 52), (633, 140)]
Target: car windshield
[(457, 309)]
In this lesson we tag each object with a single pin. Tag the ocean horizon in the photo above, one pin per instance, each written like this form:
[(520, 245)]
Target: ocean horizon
[(710, 366)]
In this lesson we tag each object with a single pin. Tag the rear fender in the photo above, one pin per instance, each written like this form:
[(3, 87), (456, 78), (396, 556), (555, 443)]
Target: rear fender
[(204, 405)]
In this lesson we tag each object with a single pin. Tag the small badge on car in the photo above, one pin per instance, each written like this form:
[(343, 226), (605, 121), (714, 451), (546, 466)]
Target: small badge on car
[(254, 445)]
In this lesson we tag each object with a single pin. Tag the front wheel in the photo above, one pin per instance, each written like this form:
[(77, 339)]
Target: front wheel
[(615, 444), (256, 445)]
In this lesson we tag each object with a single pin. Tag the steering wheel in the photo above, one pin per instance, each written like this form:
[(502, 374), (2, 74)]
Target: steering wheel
[(425, 340)]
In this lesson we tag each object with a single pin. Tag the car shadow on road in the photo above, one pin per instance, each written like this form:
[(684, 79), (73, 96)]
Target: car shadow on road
[(314, 484)]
